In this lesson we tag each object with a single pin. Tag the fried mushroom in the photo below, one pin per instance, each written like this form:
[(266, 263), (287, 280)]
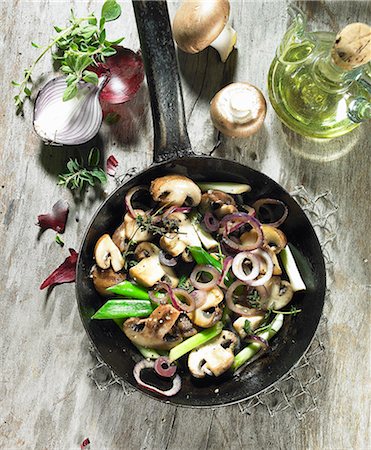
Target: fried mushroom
[(218, 202), (104, 279), (209, 312), (176, 190)]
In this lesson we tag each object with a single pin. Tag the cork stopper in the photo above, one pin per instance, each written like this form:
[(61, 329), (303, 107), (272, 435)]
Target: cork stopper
[(352, 47)]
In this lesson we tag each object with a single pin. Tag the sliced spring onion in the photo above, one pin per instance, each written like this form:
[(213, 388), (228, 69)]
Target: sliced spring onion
[(127, 289), (292, 270), (148, 353), (228, 188), (250, 350), (206, 239), (121, 309), (195, 341)]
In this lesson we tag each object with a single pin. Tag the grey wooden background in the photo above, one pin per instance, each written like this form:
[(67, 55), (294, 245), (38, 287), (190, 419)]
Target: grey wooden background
[(47, 401)]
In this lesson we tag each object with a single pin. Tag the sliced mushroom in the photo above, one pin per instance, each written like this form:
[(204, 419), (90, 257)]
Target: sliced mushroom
[(218, 202), (280, 295), (199, 23), (107, 254), (274, 238), (175, 190), (185, 326), (213, 358), (156, 331), (104, 279), (149, 270), (239, 324), (176, 243), (119, 237), (209, 312), (238, 110), (132, 229)]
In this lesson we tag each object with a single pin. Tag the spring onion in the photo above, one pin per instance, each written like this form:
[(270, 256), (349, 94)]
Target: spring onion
[(292, 270), (195, 341), (251, 349), (206, 239), (120, 309), (228, 188), (127, 289)]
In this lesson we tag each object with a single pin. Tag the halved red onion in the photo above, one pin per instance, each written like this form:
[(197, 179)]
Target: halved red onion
[(126, 74), (240, 219), (56, 220), (164, 368), (173, 209), (269, 272), (166, 260), (145, 364), (272, 201), (111, 165), (206, 269), (238, 270), (257, 339), (227, 263), (210, 221), (235, 307), (70, 122), (129, 196), (199, 296), (188, 303)]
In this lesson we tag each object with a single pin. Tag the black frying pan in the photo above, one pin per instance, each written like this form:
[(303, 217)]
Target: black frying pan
[(172, 154)]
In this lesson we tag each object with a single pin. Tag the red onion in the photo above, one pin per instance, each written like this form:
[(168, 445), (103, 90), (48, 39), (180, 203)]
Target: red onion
[(56, 220), (226, 266), (190, 304), (257, 339), (126, 74), (268, 275), (272, 201), (173, 209), (85, 444), (211, 222), (238, 269), (166, 261), (111, 165), (242, 218), (129, 196), (161, 300), (238, 309), (209, 284), (200, 297), (65, 273), (164, 368), (144, 364)]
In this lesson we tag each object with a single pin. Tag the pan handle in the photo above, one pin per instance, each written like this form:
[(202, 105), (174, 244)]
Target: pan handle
[(169, 123)]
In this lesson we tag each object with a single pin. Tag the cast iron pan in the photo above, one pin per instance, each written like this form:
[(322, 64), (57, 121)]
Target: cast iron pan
[(173, 154)]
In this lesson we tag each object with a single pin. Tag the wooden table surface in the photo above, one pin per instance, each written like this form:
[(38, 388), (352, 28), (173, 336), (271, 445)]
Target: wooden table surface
[(47, 401)]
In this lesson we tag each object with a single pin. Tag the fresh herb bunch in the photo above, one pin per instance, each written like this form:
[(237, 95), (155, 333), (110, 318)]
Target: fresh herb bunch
[(81, 44), (79, 177)]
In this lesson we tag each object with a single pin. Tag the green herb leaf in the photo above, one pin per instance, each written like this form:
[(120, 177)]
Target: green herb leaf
[(108, 51), (70, 92), (112, 118), (90, 77), (35, 45), (14, 83), (247, 326), (58, 240), (111, 10), (94, 157)]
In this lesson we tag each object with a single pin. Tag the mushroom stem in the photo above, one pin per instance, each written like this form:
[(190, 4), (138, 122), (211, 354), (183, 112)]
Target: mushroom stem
[(225, 42)]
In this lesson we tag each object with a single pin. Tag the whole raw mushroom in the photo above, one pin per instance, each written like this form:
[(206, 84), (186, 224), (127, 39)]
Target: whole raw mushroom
[(202, 23)]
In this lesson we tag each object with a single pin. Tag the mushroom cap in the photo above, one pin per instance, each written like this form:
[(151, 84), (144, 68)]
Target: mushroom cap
[(219, 202), (175, 190), (156, 330), (209, 312), (197, 23), (238, 110), (107, 254), (104, 279)]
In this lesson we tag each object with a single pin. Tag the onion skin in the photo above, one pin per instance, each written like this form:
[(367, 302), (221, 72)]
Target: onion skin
[(144, 364), (126, 74)]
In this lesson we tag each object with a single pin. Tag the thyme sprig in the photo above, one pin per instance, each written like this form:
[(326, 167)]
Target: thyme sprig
[(79, 177), (76, 47)]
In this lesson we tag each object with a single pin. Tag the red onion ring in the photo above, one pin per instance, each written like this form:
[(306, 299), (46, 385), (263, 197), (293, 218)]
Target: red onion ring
[(238, 309), (242, 218), (237, 266), (169, 262), (128, 197), (210, 221), (180, 305), (227, 263), (173, 209), (200, 296), (144, 364), (257, 339), (208, 285), (168, 371), (271, 201), (268, 275), (156, 289)]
